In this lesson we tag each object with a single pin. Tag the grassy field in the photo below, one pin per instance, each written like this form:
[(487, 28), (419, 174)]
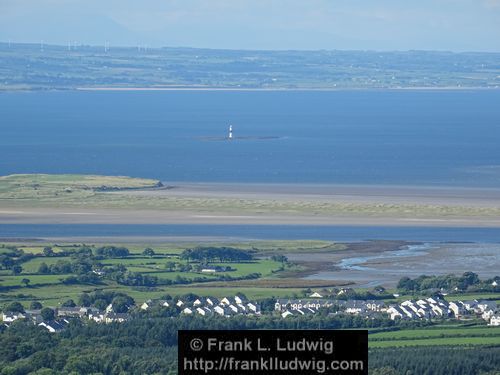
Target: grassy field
[(82, 191), (482, 335), (54, 295), (50, 289)]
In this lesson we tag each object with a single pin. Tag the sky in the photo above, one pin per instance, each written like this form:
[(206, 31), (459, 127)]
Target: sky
[(451, 25)]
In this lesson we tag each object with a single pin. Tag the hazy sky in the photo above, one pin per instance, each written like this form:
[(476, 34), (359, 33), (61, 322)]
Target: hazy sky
[(258, 24)]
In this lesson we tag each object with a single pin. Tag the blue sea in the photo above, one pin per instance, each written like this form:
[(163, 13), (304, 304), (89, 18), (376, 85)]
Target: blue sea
[(432, 138), (448, 138), (251, 232)]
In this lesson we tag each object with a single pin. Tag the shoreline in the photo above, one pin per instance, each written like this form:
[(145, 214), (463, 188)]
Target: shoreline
[(256, 89)]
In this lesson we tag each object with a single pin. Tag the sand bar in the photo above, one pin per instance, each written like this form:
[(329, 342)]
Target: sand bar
[(299, 204)]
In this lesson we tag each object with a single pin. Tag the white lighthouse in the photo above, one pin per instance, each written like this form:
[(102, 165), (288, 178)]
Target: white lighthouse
[(230, 132)]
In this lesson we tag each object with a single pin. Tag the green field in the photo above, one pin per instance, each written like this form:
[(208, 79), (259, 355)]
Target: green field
[(436, 336), (54, 295), (49, 288)]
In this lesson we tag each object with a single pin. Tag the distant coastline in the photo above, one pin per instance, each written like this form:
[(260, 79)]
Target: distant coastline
[(234, 89), (187, 88), (250, 70)]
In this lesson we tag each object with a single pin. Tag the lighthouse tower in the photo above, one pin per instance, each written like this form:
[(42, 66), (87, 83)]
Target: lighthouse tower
[(230, 132)]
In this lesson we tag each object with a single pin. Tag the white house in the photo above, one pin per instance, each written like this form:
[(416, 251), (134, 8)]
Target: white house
[(212, 301), (253, 307), (408, 312), (316, 295), (483, 306), (487, 314), (239, 299), (98, 317), (458, 308), (54, 326), (495, 320), (10, 317), (203, 311), (219, 310), (395, 313), (209, 270), (111, 317)]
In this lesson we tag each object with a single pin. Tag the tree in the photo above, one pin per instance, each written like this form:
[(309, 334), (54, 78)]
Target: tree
[(6, 262), (25, 281), (47, 251), (148, 252), (406, 284), (47, 314), (69, 303), (220, 254), (121, 304), (469, 278), (84, 300), (170, 266), (35, 305), (112, 252), (101, 304), (17, 269), (14, 307), (43, 268)]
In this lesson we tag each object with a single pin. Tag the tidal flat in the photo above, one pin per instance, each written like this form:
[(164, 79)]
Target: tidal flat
[(78, 199)]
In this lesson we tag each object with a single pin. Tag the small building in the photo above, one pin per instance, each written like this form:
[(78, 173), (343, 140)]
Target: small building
[(116, 317), (147, 305), (239, 299), (187, 311), (72, 311), (9, 317), (54, 325), (97, 316), (395, 313), (209, 269), (494, 320)]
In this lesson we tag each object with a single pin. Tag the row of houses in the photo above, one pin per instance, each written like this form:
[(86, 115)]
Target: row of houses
[(227, 306), (62, 316), (439, 308), (291, 307), (428, 308)]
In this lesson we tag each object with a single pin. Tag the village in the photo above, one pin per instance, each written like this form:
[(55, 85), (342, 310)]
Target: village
[(55, 320)]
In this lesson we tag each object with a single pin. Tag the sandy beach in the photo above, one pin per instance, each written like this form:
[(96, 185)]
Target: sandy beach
[(214, 203)]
